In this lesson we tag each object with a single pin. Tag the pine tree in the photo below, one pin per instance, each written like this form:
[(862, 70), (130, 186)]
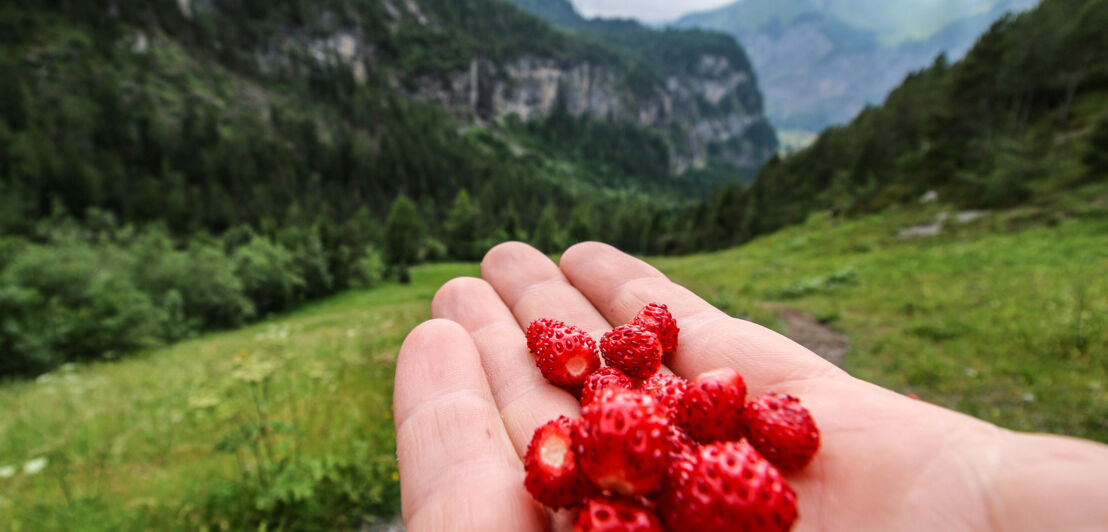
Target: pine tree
[(404, 235), (461, 227), (512, 228), (1096, 156), (580, 225), (547, 233)]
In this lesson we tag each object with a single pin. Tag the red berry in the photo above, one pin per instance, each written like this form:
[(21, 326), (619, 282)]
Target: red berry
[(633, 350), (606, 377), (537, 331), (565, 354), (605, 514), (553, 477), (667, 389), (657, 319), (681, 445), (711, 408), (727, 486), (781, 430), (622, 443)]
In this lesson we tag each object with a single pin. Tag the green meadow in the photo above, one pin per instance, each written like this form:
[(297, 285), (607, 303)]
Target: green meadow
[(286, 424)]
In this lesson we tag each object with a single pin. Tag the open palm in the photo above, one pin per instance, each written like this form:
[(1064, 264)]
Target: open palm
[(468, 398)]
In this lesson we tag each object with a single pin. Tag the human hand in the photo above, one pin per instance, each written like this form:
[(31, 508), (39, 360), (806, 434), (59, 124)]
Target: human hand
[(468, 397)]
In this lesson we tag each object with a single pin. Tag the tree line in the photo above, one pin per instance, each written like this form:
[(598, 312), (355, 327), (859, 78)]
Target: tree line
[(986, 132)]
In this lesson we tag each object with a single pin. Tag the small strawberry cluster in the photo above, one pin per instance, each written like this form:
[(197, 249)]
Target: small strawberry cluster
[(653, 451)]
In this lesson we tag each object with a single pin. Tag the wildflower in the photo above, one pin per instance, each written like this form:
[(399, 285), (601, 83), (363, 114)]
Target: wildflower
[(34, 466)]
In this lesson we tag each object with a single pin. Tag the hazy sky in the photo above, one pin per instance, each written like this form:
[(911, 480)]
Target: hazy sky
[(646, 10)]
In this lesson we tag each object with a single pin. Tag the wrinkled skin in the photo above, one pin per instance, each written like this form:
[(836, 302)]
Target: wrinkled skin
[(468, 398)]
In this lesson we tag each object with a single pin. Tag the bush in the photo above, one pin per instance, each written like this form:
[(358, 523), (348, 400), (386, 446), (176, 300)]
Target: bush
[(67, 301), (268, 274), (370, 268), (203, 276)]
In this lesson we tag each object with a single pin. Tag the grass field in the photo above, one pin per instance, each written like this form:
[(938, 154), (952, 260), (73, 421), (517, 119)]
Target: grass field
[(1004, 317)]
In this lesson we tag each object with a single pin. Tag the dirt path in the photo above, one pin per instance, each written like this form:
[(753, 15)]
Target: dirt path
[(809, 332)]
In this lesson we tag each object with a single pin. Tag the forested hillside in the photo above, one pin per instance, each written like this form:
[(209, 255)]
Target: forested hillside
[(821, 62), (173, 166), (1023, 116)]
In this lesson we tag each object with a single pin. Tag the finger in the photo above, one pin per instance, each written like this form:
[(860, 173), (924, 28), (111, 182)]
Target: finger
[(454, 455), (619, 285), (533, 287), (525, 399)]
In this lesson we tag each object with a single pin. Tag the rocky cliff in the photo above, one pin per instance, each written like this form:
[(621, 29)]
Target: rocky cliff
[(703, 115), (695, 89), (820, 63)]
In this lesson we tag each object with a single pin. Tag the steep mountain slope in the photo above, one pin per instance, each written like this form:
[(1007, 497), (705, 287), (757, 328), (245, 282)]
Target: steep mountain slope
[(711, 95), (179, 165), (821, 61), (334, 88), (1020, 119)]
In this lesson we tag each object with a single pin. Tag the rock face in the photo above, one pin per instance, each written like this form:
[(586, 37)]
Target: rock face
[(709, 110), (703, 115), (818, 69)]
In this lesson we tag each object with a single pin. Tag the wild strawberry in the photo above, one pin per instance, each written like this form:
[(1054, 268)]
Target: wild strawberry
[(781, 430), (681, 445), (565, 354), (727, 486), (537, 331), (606, 377), (553, 477), (605, 514), (667, 389), (711, 408), (657, 319), (622, 442), (633, 350)]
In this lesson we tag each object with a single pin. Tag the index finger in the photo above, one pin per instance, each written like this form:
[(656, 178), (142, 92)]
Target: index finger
[(453, 452), (619, 285)]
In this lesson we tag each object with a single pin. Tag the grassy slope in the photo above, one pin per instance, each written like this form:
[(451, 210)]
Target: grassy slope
[(1005, 318), (133, 441)]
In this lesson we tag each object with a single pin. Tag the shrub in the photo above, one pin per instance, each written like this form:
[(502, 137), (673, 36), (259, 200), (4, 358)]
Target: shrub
[(68, 300), (203, 276), (370, 268), (269, 277)]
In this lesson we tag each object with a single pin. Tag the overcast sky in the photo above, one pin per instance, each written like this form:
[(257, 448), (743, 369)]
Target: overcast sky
[(645, 10)]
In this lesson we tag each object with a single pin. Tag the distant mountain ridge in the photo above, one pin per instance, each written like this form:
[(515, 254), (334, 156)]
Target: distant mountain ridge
[(1019, 122), (709, 98), (820, 62)]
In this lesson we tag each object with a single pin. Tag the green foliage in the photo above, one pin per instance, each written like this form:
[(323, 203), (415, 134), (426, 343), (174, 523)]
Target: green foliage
[(986, 132), (405, 233), (69, 301), (1006, 184), (548, 234), (1096, 155), (281, 487), (268, 275), (815, 285), (370, 268), (461, 228)]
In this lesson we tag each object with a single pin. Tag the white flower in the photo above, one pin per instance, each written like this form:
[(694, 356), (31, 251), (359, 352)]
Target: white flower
[(35, 465), (7, 472)]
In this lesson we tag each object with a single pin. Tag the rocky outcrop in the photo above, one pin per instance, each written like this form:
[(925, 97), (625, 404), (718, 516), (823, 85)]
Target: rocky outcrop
[(702, 115), (709, 112)]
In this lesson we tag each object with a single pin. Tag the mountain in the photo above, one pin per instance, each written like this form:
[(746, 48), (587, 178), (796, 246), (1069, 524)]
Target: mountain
[(820, 62), (710, 100), (1020, 120), (172, 166)]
